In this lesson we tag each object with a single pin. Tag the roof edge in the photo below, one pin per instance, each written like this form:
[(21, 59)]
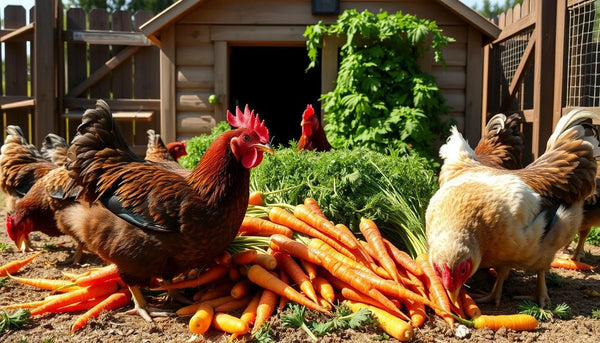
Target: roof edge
[(153, 26), (480, 22)]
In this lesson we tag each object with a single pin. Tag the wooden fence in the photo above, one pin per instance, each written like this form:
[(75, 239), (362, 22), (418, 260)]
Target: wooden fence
[(75, 58), (545, 62)]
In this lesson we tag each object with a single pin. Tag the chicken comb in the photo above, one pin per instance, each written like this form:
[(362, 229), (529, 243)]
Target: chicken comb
[(309, 111), (247, 119)]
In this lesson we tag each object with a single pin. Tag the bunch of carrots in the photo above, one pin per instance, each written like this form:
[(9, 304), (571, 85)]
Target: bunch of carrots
[(91, 292)]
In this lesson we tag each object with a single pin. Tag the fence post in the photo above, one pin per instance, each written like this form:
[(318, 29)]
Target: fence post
[(45, 54), (543, 90), (560, 70)]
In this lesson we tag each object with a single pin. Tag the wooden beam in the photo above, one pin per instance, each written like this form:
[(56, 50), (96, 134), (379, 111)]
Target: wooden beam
[(517, 79), (515, 28), (221, 80), (24, 33), (107, 37), (18, 104), (101, 72), (119, 104), (168, 109), (474, 86), (560, 71)]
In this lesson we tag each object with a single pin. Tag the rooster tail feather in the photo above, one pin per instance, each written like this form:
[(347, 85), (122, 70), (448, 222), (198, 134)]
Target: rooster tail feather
[(496, 124), (456, 147), (577, 117)]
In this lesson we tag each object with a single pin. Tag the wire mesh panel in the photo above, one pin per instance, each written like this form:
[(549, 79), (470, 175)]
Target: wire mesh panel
[(583, 55)]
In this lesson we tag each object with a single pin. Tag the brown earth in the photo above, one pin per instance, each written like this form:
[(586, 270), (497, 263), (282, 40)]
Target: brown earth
[(578, 289)]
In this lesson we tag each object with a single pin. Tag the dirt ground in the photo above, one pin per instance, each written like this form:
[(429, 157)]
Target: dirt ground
[(579, 290)]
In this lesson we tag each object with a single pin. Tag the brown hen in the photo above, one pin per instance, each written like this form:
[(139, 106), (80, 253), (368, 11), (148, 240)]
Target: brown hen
[(313, 136)]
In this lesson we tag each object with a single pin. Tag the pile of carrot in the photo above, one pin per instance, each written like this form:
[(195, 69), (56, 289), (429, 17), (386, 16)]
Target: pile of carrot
[(91, 293), (316, 263)]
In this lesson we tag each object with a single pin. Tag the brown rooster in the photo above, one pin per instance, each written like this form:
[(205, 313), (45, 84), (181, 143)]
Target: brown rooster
[(313, 136), (163, 224), (497, 218), (157, 151), (54, 149)]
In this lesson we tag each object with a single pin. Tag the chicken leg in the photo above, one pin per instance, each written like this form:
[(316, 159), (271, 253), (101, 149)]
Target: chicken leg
[(496, 292), (541, 291)]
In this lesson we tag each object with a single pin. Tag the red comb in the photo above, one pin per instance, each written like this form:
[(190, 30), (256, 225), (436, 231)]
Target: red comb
[(247, 119), (309, 111)]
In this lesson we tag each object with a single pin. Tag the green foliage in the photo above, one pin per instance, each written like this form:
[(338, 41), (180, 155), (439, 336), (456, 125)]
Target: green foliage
[(296, 318), (343, 319), (14, 321), (3, 280), (263, 335), (490, 10), (392, 190), (554, 280), (596, 314), (198, 145), (4, 247), (562, 311), (382, 99), (594, 236)]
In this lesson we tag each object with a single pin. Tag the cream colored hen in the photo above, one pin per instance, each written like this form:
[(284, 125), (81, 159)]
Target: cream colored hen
[(491, 217)]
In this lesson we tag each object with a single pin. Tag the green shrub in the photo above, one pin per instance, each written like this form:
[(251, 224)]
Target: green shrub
[(198, 145)]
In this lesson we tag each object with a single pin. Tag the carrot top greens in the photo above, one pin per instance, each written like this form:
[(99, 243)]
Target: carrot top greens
[(16, 320)]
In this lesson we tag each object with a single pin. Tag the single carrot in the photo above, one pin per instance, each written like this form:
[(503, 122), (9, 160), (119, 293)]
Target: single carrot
[(113, 301), (244, 257), (265, 260), (309, 268), (200, 322), (283, 275), (360, 252), (249, 314), (224, 258), (403, 259), (373, 236), (254, 226), (90, 292), (211, 274), (14, 266), (394, 326), (191, 309), (256, 198), (230, 324), (31, 304), (217, 291), (517, 322), (314, 206), (110, 272), (241, 288), (80, 306), (324, 288), (235, 274), (235, 304), (265, 308), (266, 280), (416, 311), (284, 217), (293, 269), (436, 290), (567, 263), (47, 284), (321, 245), (469, 305), (320, 223)]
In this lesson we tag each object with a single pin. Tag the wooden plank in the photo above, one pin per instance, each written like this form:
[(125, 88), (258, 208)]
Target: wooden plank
[(455, 54), (195, 123), (449, 77), (100, 74), (99, 54), (191, 34), (221, 78), (560, 62), (15, 54), (119, 115), (455, 99), (22, 34), (76, 52), (474, 87), (122, 78), (485, 98), (158, 23), (195, 77), (18, 104), (168, 110), (458, 32), (515, 28), (193, 101), (240, 33), (195, 55), (121, 104), (44, 57), (7, 99), (107, 37)]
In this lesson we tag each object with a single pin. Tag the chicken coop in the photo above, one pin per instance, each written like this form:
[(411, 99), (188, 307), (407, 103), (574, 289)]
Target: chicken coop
[(253, 52)]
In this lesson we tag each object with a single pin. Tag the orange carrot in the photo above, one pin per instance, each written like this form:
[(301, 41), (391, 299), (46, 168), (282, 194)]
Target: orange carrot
[(235, 304), (256, 198), (265, 308), (228, 323), (324, 288), (314, 206), (284, 217), (207, 276), (241, 288), (80, 306), (113, 301), (244, 257), (47, 284), (320, 223), (403, 259), (373, 236), (254, 226), (319, 244), (394, 326), (191, 309), (283, 275), (517, 322), (249, 314), (202, 318), (567, 263), (436, 290), (293, 269), (31, 304), (217, 291), (265, 260), (266, 280), (416, 311), (223, 258), (14, 266), (309, 268), (110, 272), (235, 274), (469, 305), (90, 292)]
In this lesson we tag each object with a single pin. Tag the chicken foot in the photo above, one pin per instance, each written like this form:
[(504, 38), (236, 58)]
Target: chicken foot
[(541, 291), (141, 306), (496, 292)]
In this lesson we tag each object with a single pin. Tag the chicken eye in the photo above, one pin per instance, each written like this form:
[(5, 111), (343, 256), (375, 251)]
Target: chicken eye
[(246, 138), (463, 271)]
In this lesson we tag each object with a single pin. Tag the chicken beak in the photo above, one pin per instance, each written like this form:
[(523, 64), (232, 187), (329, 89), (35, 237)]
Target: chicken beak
[(22, 243), (453, 296), (266, 147)]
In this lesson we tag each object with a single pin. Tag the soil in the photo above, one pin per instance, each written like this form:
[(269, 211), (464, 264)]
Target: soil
[(580, 290)]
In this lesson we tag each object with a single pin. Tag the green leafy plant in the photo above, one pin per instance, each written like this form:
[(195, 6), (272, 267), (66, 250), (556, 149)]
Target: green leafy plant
[(594, 236), (554, 280), (263, 335), (343, 319), (295, 318), (382, 98), (5, 247), (596, 314), (3, 280), (562, 311), (198, 145), (16, 320)]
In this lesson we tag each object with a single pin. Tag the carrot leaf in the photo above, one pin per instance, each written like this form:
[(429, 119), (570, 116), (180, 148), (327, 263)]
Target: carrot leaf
[(296, 319), (562, 311), (343, 319), (16, 320), (263, 335), (3, 280)]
